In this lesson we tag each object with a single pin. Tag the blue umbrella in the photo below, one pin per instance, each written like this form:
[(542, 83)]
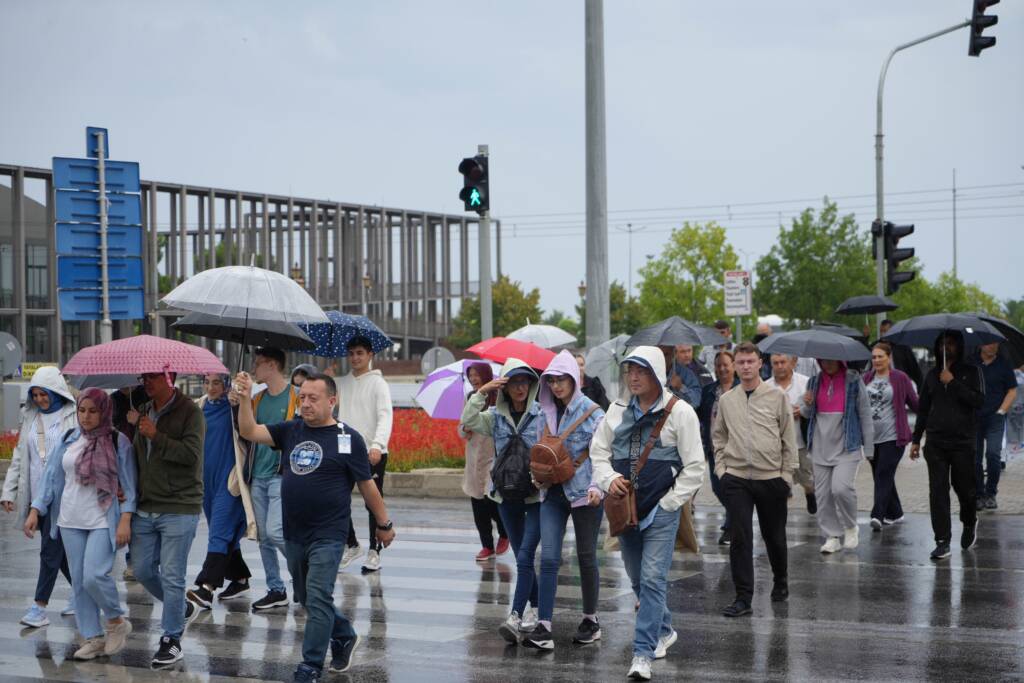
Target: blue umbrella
[(332, 338)]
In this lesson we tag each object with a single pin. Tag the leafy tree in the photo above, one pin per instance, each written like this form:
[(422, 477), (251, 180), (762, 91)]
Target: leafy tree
[(818, 262), (1015, 312), (947, 294), (511, 308), (627, 315), (559, 320)]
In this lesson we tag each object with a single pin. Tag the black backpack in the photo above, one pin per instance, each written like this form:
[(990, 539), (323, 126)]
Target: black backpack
[(511, 474)]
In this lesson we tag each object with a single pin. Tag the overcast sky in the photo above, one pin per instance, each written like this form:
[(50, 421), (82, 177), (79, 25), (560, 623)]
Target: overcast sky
[(737, 107)]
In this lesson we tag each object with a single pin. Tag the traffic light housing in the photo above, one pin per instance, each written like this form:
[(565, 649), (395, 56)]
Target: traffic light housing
[(474, 194), (894, 256), (979, 22)]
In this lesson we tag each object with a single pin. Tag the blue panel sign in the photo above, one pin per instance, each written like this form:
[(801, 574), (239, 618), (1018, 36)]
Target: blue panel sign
[(83, 239), (91, 149), (83, 272), (84, 174), (87, 304), (84, 207)]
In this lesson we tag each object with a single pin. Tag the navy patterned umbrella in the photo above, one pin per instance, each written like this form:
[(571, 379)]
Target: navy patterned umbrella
[(331, 338)]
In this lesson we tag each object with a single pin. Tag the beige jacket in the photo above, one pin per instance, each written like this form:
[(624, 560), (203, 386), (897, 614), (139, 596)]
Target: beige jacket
[(755, 437)]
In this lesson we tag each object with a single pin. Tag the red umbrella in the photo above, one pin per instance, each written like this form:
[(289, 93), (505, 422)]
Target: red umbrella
[(500, 349), (143, 354)]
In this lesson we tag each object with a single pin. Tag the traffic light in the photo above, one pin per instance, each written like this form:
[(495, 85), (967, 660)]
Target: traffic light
[(876, 232), (474, 184), (894, 256), (979, 22)]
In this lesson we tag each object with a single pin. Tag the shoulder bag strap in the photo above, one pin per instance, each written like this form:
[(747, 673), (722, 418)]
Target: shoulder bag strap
[(576, 425), (655, 433)]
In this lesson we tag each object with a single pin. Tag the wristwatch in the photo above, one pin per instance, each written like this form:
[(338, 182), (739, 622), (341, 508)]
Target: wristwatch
[(387, 526)]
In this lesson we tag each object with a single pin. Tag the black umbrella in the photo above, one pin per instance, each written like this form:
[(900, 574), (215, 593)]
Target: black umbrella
[(815, 344), (869, 303), (923, 330), (836, 328), (675, 330), (281, 335), (1013, 347)]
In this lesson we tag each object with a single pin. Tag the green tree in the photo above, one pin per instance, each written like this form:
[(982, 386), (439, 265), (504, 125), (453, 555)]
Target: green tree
[(818, 262), (947, 294), (1015, 312), (561, 321), (626, 313), (511, 308)]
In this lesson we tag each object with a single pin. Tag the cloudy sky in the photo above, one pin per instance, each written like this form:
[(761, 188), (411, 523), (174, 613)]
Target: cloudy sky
[(741, 112)]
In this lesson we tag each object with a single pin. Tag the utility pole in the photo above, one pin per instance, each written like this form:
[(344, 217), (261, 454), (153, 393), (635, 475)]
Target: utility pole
[(954, 223), (106, 326), (630, 230), (597, 304)]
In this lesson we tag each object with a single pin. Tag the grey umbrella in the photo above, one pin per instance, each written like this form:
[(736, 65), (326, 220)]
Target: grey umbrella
[(280, 335), (839, 329), (869, 303), (923, 330), (675, 330), (1013, 347), (815, 344)]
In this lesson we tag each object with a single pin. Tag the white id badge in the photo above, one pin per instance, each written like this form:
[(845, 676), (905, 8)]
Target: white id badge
[(344, 444)]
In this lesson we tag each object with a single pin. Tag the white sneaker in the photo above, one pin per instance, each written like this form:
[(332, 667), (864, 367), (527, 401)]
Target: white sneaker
[(851, 538), (372, 563), (69, 609), (91, 649), (664, 643), (887, 521), (640, 669), (876, 524), (35, 617), (529, 619), (510, 629), (116, 637), (350, 555), (832, 545)]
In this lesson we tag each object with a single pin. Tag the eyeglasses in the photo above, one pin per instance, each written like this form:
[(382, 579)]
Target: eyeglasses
[(557, 379)]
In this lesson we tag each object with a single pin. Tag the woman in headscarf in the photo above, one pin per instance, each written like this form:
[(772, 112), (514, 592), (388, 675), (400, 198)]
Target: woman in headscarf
[(48, 415), (301, 372), (225, 513), (84, 478)]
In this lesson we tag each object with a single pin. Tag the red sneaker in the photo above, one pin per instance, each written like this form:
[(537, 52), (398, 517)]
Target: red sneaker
[(484, 554), (502, 546)]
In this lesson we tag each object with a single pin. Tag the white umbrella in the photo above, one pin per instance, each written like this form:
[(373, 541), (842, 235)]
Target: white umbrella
[(544, 336), (603, 360)]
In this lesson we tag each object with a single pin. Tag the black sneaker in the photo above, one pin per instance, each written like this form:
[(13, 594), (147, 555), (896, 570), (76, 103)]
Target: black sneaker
[(979, 503), (306, 674), (588, 631), (169, 652), (191, 612), (990, 503), (737, 609), (341, 653), (812, 504), (725, 538), (270, 600), (969, 536), (539, 639), (780, 591), (235, 590), (201, 596), (941, 551)]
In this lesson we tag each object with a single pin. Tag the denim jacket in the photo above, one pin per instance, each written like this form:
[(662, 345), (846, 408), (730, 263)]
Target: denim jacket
[(576, 443), (52, 488), (858, 429)]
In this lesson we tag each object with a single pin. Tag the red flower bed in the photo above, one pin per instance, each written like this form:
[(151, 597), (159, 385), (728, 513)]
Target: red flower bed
[(8, 440), (419, 441)]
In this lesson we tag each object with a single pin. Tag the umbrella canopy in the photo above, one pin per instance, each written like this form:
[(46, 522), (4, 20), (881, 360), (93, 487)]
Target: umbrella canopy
[(143, 354), (1013, 347), (545, 336), (675, 330), (248, 293), (500, 349), (836, 328), (443, 393), (604, 359), (279, 335), (923, 330), (815, 344), (103, 381), (869, 303), (332, 337)]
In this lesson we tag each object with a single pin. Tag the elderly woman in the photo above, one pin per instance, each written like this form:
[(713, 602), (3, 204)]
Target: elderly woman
[(48, 415), (92, 468)]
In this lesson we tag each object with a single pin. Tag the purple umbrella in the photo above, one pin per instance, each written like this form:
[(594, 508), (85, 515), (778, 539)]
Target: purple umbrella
[(443, 393)]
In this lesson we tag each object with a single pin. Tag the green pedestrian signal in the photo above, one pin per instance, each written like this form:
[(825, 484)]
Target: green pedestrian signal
[(474, 184), (474, 198)]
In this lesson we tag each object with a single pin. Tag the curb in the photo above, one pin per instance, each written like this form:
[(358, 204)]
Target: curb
[(426, 483)]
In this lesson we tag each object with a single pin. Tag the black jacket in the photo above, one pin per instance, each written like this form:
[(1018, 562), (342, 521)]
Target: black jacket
[(947, 411), (594, 390)]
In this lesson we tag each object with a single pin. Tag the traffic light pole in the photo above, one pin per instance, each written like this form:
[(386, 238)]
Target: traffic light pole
[(106, 326), (597, 302), (879, 182), (486, 317)]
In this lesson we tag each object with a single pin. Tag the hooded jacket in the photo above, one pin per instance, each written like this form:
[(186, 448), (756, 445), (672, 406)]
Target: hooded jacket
[(496, 421), (18, 482), (678, 448), (947, 412), (579, 441), (364, 404)]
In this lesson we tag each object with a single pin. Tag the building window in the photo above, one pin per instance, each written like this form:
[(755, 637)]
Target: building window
[(37, 338), (71, 339), (37, 273), (6, 276), (7, 324)]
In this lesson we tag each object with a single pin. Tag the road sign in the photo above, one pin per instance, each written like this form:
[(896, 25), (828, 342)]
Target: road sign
[(84, 272), (739, 298), (91, 149), (83, 239), (87, 304), (84, 207), (84, 174)]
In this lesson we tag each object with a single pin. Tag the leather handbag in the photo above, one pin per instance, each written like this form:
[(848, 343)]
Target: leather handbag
[(550, 461), (621, 510)]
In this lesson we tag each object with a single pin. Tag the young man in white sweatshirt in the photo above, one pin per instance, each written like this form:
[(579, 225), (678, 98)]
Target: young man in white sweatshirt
[(364, 403)]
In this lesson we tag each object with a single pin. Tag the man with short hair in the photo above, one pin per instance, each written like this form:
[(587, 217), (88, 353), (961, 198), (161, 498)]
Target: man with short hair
[(684, 356), (794, 385), (364, 401), (325, 460), (755, 457), (1000, 386), (169, 449), (708, 353), (682, 382)]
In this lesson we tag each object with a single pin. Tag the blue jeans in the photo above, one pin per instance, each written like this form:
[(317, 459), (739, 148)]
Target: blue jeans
[(314, 569), (160, 545), (586, 522), (522, 522), (647, 555), (266, 505), (91, 560), (990, 447)]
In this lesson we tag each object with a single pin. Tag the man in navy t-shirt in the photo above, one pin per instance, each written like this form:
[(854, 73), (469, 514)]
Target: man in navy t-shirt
[(1000, 389), (322, 459)]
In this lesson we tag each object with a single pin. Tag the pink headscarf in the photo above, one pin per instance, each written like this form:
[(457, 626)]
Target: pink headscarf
[(831, 396), (97, 465)]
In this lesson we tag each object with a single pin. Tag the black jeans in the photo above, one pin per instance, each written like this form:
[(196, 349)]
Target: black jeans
[(883, 468), (950, 464), (218, 566), (51, 561), (770, 498), (377, 472), (485, 512)]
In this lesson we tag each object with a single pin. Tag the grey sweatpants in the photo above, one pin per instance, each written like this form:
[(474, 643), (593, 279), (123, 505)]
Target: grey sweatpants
[(836, 491)]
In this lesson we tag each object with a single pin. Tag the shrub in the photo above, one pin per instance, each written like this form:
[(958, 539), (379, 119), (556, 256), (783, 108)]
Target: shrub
[(8, 440), (418, 441)]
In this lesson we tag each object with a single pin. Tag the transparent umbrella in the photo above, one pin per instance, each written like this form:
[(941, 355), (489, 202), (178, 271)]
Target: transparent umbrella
[(603, 360), (545, 336)]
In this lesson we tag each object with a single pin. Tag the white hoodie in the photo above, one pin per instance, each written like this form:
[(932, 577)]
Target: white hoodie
[(364, 403)]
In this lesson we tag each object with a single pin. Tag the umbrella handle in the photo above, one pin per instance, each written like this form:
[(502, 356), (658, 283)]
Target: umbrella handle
[(245, 332)]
